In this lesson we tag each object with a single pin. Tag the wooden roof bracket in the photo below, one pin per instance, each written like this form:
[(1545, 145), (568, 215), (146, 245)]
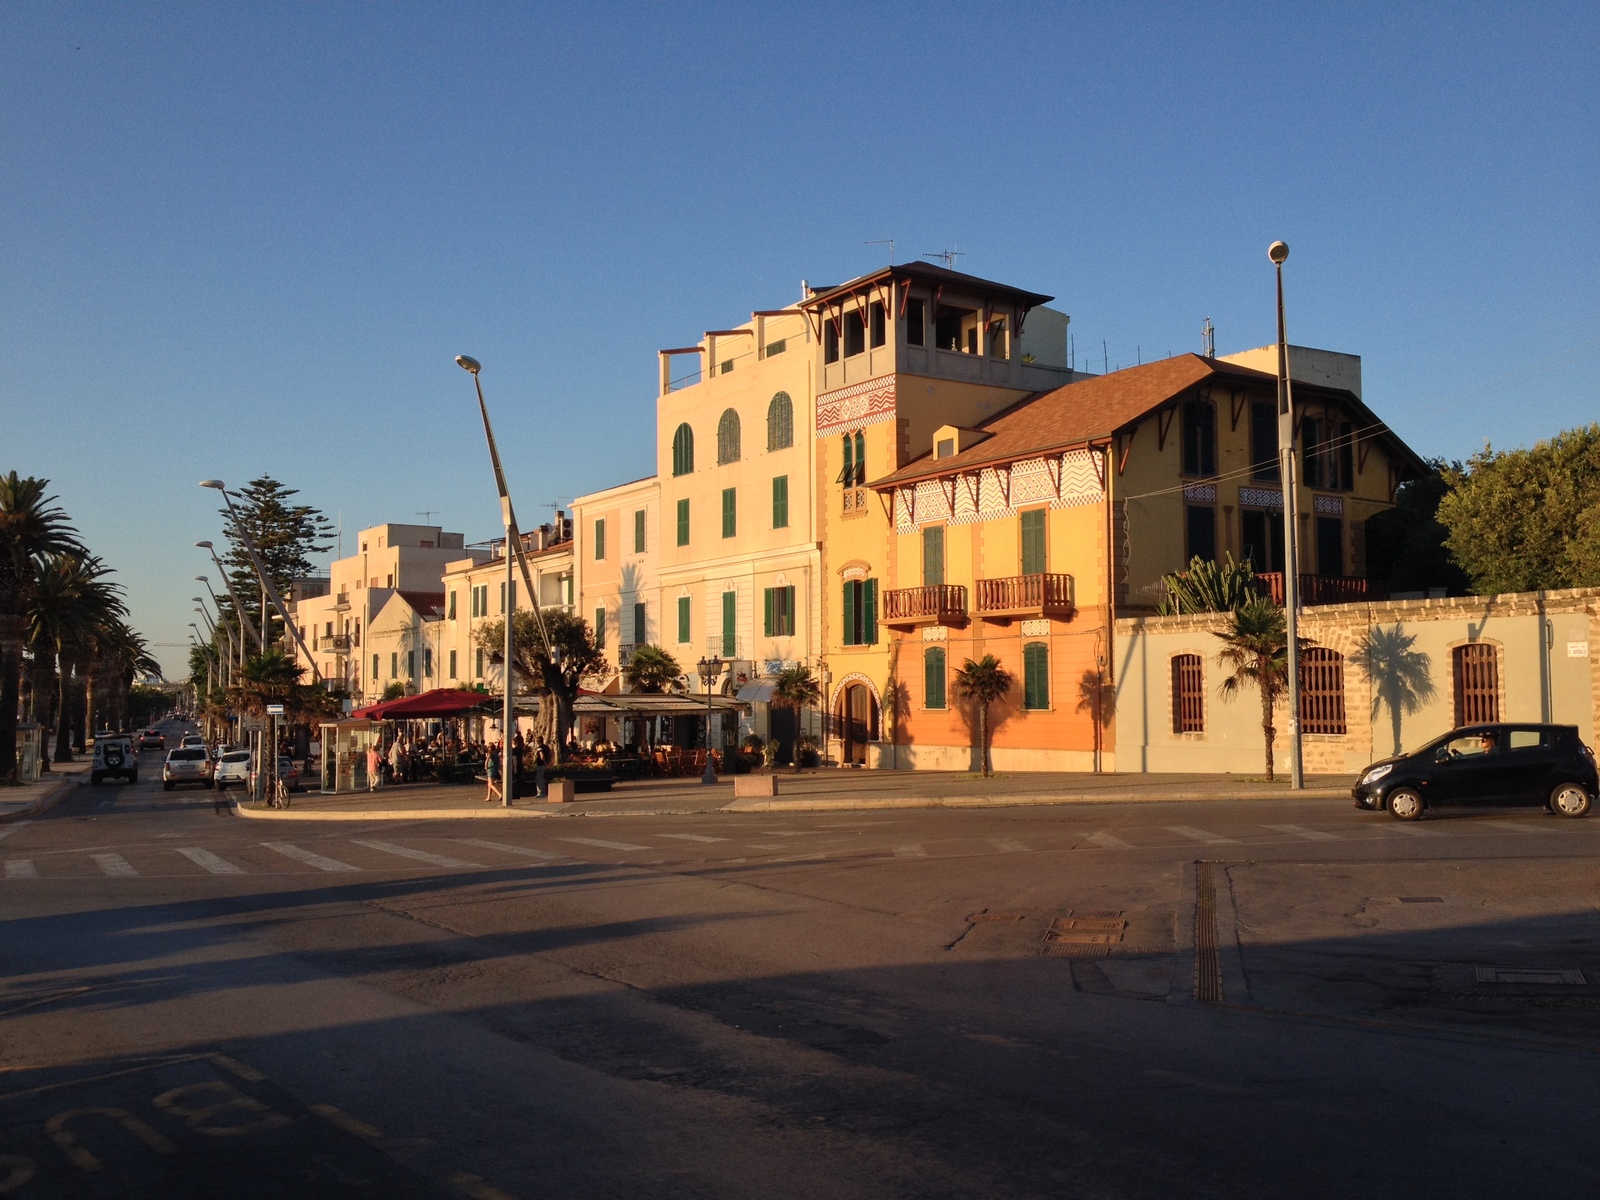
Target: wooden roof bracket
[(1237, 399), (905, 295), (1052, 468), (971, 479), (814, 322), (1100, 463), (1124, 450), (1022, 317), (1363, 448), (1163, 427)]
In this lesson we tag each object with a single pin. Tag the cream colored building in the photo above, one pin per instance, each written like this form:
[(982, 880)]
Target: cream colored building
[(402, 643), (616, 556)]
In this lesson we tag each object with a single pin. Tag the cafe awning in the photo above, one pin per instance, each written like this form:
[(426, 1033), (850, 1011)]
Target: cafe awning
[(441, 702)]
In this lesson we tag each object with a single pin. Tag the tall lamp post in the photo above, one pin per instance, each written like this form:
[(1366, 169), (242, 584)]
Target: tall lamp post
[(1278, 252), (709, 669), (238, 605)]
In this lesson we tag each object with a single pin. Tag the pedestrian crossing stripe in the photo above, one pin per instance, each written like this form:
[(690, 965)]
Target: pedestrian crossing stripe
[(437, 860), (604, 845), (311, 859), (113, 864), (209, 861)]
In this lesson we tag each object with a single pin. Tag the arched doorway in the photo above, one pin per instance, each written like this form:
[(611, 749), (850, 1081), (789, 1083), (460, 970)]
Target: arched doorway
[(857, 715)]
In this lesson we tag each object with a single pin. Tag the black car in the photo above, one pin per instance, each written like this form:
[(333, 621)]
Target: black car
[(1486, 765)]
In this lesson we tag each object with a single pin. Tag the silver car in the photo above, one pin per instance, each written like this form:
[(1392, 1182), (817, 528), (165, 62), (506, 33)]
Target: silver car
[(186, 764)]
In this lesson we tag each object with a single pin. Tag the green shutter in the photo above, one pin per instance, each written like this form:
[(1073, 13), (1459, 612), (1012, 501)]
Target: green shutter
[(767, 628), (861, 458), (452, 664), (933, 555), (600, 628), (452, 606), (638, 531), (730, 512), (374, 670), (683, 522), (683, 619), (394, 665), (780, 502), (1033, 556), (788, 611), (599, 539), (847, 476), (933, 678), (869, 612), (852, 636), (1036, 675), (730, 602), (639, 629)]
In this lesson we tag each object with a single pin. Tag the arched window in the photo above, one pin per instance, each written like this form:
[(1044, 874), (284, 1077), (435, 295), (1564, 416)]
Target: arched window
[(780, 422), (1036, 675), (1188, 694), (728, 438), (933, 677), (683, 450), (1322, 691)]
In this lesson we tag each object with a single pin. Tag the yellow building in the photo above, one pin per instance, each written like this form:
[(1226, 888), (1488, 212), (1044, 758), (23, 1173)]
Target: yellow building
[(616, 549)]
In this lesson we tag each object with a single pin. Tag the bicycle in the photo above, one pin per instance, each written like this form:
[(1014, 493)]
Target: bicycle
[(280, 794)]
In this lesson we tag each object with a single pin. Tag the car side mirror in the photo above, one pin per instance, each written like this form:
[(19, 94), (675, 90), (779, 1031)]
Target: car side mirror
[(1442, 754)]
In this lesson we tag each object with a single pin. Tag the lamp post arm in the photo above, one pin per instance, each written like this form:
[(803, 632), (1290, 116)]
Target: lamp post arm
[(238, 605)]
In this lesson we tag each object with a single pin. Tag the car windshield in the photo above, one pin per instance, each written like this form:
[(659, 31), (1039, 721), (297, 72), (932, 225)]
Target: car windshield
[(236, 756), (1467, 745), (194, 755)]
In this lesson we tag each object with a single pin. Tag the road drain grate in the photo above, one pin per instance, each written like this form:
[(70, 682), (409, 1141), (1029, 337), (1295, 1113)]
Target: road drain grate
[(1420, 899), (1084, 933), (1534, 975)]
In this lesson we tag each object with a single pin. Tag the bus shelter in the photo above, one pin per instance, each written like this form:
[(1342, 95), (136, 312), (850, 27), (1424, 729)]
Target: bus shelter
[(344, 754)]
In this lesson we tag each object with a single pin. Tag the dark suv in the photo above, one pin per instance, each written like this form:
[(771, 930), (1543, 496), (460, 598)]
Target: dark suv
[(1486, 765)]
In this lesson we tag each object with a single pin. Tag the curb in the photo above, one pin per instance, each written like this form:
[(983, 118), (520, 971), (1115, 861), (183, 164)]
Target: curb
[(843, 804), (45, 802), (390, 814)]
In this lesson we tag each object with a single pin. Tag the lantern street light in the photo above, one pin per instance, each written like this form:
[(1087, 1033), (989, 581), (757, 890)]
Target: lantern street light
[(709, 669), (1278, 252)]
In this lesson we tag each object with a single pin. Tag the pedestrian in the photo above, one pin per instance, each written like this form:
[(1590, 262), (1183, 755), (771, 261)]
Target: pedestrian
[(541, 759), (491, 770), (397, 761), (374, 767)]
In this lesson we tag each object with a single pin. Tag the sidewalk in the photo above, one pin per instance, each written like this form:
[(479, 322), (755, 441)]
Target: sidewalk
[(823, 790), (31, 799)]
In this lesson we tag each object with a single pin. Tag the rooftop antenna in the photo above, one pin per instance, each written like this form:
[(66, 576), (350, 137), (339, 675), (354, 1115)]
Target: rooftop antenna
[(340, 534), (1208, 339), (426, 514), (949, 256), (889, 242)]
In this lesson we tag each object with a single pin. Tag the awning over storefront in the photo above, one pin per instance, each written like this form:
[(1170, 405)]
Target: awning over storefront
[(441, 702), (649, 704), (757, 691)]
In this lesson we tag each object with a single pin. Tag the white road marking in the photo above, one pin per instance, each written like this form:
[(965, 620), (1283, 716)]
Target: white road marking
[(1008, 846), (209, 861), (1418, 830), (1201, 835), (7, 830), (692, 837), (508, 848), (914, 850), (21, 868), (1310, 835), (603, 844), (437, 860), (1109, 840), (1515, 827), (289, 850), (113, 864), (765, 845)]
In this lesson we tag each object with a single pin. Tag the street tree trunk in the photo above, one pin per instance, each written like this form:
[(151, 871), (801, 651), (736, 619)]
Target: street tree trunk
[(983, 739), (10, 683), (63, 753), (1267, 730)]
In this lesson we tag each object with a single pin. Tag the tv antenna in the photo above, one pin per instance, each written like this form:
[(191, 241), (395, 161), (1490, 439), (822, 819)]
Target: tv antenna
[(889, 242), (427, 514), (949, 256)]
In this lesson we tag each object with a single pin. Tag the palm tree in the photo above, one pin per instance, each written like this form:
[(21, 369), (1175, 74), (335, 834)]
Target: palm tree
[(980, 684), (270, 678), (796, 688), (1256, 649), (30, 526), (71, 603), (652, 669)]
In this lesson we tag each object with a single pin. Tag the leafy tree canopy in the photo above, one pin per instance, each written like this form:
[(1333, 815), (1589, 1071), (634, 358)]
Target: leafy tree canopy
[(652, 669), (285, 533), (1406, 543), (1527, 520)]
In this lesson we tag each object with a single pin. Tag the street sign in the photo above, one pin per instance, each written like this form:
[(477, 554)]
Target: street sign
[(274, 710)]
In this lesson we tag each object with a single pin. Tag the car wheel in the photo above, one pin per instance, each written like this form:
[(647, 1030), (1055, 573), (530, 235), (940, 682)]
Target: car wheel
[(1570, 800), (1405, 805)]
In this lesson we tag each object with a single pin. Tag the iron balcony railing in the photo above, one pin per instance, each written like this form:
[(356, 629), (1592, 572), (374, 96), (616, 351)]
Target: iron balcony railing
[(932, 604), (1025, 595), (1323, 589)]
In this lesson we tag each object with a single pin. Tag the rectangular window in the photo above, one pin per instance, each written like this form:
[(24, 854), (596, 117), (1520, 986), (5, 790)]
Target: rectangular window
[(1188, 694), (452, 664), (411, 664), (1264, 439), (777, 347), (916, 322), (599, 539), (683, 522), (778, 608), (877, 327), (780, 502), (1477, 684), (478, 664), (600, 628), (730, 512), (725, 367), (1322, 691), (1330, 546), (1034, 561), (683, 620), (502, 598), (830, 341), (374, 670), (1036, 676), (1263, 539), (640, 632), (1201, 520), (1327, 454), (1199, 437), (452, 612), (933, 555), (427, 662), (861, 612), (933, 677), (855, 332), (394, 664), (638, 531), (472, 601), (730, 609)]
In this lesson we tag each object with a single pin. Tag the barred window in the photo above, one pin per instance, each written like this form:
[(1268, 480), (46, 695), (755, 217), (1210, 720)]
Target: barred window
[(780, 420), (1188, 694), (728, 438), (1477, 680), (1322, 691)]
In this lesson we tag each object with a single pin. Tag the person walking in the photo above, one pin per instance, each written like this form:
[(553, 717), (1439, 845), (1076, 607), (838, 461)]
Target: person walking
[(374, 767), (541, 760), (491, 769), (397, 761)]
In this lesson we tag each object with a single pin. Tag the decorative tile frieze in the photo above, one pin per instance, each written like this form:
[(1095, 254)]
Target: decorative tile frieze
[(858, 405), (1251, 497), (1328, 506), (1201, 493), (1036, 629), (935, 633)]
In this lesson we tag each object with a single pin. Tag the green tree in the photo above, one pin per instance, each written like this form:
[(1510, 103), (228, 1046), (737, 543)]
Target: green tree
[(796, 688), (1405, 544), (1255, 650), (980, 684), (1525, 520), (554, 677), (285, 534), (653, 670), (31, 526), (1207, 586), (72, 603)]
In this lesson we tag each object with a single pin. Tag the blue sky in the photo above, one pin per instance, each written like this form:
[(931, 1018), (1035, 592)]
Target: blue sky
[(246, 239)]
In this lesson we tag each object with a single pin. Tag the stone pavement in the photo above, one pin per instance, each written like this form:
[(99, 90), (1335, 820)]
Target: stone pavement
[(824, 789), (33, 798)]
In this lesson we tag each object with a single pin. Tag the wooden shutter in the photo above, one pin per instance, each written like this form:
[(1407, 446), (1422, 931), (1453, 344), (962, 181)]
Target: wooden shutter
[(933, 672), (869, 613), (1477, 680), (780, 502), (1188, 694), (933, 555), (852, 633), (730, 512), (683, 618), (683, 522), (788, 611), (767, 626), (638, 531), (639, 625), (1033, 550), (1036, 675), (729, 608), (1322, 691), (600, 628)]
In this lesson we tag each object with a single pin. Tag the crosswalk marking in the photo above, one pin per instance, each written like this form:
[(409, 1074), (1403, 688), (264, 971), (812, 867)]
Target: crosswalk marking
[(7, 830), (209, 861), (603, 844), (21, 868), (914, 850), (1108, 840), (1418, 830), (438, 860), (289, 850), (1200, 835), (507, 848), (1008, 846), (113, 864), (1310, 835), (692, 837), (1515, 827)]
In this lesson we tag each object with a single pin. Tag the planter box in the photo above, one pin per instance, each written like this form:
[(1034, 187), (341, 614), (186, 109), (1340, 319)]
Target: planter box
[(562, 791), (755, 785)]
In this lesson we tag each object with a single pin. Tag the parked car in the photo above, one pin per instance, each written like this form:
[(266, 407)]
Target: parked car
[(192, 739), (152, 739), (233, 767), (288, 772), (1486, 765), (186, 764), (114, 755)]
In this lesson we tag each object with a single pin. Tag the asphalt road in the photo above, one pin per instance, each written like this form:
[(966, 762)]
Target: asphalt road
[(1228, 999)]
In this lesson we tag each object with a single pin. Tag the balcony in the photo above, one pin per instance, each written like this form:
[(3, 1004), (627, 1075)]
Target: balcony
[(341, 602), (1324, 589), (1025, 596), (936, 604)]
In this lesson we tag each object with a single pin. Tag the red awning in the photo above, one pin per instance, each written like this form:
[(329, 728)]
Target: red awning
[(441, 702)]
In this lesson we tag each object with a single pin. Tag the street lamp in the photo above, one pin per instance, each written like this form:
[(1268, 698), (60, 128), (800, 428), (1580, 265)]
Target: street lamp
[(1278, 252), (709, 669), (238, 605)]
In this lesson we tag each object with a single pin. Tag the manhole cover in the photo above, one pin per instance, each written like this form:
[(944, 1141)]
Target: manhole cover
[(1534, 975), (1084, 934)]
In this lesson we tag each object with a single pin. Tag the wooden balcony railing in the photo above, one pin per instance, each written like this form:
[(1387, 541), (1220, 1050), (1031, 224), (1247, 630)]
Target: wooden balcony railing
[(936, 604), (1324, 589), (1025, 596)]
